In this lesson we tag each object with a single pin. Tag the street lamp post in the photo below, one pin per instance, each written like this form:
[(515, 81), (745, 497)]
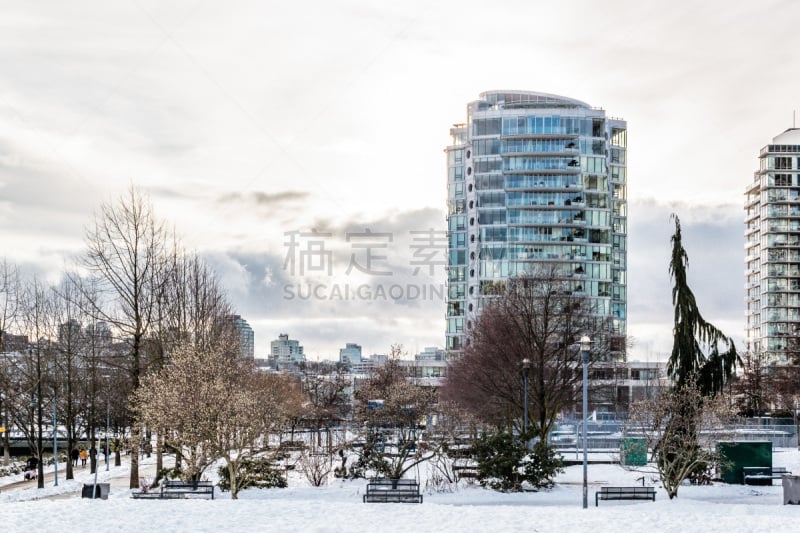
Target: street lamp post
[(55, 445), (526, 367), (585, 346), (108, 418)]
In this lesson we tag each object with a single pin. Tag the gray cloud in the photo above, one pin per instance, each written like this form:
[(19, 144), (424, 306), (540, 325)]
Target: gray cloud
[(263, 199), (712, 237), (326, 311)]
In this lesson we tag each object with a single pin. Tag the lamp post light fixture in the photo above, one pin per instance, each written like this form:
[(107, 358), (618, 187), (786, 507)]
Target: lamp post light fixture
[(526, 367), (586, 344)]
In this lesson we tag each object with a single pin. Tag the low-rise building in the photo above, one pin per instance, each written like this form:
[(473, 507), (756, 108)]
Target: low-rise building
[(350, 354)]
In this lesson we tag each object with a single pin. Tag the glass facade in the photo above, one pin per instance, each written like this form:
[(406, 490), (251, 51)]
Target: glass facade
[(772, 250), (535, 179)]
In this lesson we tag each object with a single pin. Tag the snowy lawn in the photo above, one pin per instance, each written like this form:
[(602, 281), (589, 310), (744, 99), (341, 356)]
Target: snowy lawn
[(338, 507)]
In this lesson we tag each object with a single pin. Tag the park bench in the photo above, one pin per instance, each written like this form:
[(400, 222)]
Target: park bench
[(292, 446), (762, 475), (624, 493), (393, 491), (465, 471), (174, 489)]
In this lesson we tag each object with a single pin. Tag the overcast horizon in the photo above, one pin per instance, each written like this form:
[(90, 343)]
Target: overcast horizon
[(248, 123)]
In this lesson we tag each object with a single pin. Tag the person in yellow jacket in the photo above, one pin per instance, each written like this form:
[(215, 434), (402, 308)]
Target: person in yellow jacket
[(84, 455)]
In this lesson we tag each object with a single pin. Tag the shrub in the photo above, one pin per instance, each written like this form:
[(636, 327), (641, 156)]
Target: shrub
[(316, 467), (505, 464), (258, 472)]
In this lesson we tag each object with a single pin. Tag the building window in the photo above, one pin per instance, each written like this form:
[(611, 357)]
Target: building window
[(783, 163)]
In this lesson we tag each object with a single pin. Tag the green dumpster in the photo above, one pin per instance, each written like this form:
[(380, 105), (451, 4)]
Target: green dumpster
[(736, 455), (633, 452)]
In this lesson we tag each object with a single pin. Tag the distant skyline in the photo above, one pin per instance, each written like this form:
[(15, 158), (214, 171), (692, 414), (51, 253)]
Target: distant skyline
[(249, 122)]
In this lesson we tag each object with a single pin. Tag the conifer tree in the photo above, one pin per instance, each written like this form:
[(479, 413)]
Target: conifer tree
[(700, 351)]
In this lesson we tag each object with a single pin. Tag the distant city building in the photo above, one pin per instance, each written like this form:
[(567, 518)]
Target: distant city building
[(535, 180), (772, 250), (431, 353), (365, 366), (69, 331), (614, 386), (368, 364), (98, 331), (379, 359), (350, 354), (13, 343), (286, 351), (426, 372), (246, 336)]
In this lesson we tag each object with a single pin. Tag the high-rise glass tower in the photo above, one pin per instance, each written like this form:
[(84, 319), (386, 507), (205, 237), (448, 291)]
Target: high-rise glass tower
[(246, 336), (533, 180), (772, 250)]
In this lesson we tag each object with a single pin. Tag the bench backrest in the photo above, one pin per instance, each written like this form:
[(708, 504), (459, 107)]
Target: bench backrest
[(176, 483), (398, 482), (757, 470), (627, 490)]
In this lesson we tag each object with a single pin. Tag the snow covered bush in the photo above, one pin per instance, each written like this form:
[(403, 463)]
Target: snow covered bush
[(505, 464), (258, 472)]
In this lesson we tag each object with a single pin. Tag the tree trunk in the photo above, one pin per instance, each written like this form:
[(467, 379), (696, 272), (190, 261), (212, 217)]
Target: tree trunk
[(234, 480), (70, 447), (39, 445), (6, 441), (134, 478), (160, 453), (159, 459), (135, 432)]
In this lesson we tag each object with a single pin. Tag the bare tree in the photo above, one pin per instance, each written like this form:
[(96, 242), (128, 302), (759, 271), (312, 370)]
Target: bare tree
[(68, 359), (327, 395), (682, 427), (37, 322), (193, 311), (126, 254), (392, 409), (9, 304), (198, 308), (752, 388), (316, 467), (215, 405), (537, 318)]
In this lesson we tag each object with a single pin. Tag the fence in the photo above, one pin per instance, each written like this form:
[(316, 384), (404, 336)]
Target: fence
[(607, 435)]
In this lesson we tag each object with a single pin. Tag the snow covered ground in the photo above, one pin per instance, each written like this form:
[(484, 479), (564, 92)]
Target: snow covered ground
[(338, 507)]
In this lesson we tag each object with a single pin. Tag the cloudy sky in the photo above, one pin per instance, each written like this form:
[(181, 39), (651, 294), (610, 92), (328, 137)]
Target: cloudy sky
[(278, 137)]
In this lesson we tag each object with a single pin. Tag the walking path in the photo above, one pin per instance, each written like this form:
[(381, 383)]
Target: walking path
[(117, 476)]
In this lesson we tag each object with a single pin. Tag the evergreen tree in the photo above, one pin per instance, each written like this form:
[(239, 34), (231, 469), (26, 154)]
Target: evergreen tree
[(699, 351)]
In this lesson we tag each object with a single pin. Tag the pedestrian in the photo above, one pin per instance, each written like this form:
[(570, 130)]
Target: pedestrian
[(84, 455), (75, 455)]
